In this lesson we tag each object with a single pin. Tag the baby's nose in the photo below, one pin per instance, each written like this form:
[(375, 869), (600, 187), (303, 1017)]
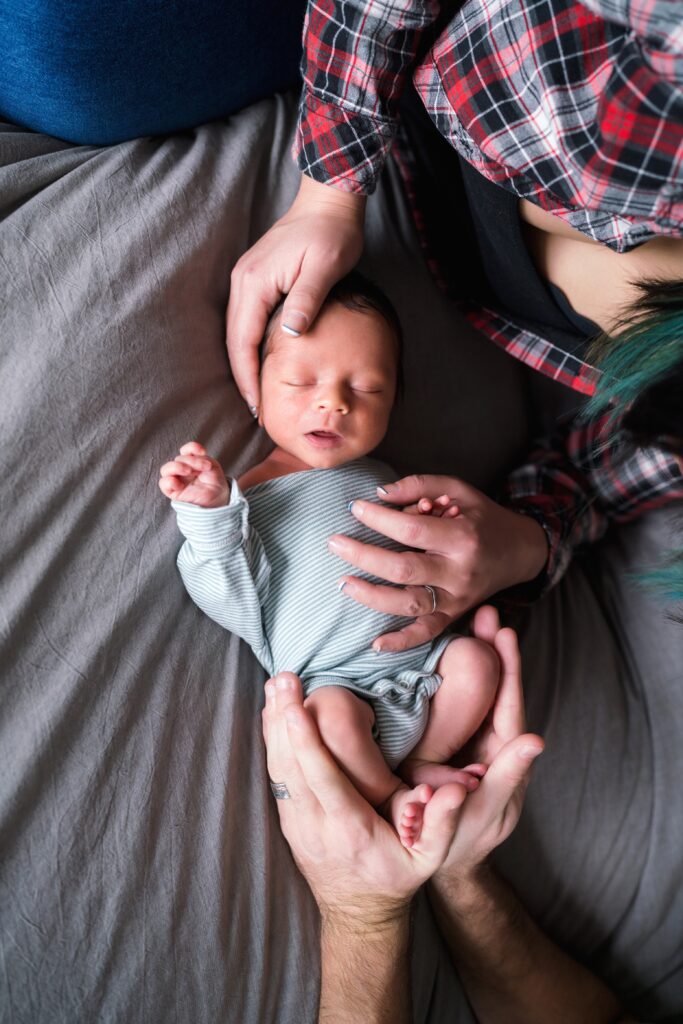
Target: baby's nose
[(333, 400)]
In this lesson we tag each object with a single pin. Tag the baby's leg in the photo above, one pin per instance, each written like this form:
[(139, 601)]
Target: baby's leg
[(470, 670), (345, 723)]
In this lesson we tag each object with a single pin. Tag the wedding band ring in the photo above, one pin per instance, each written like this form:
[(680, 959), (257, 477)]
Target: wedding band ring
[(280, 791), (432, 594)]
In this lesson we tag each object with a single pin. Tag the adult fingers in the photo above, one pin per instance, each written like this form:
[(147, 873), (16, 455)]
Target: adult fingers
[(321, 774), (490, 813), (317, 241), (415, 633), (508, 711), (308, 292), (505, 782), (278, 751), (406, 567), (426, 533), (252, 298), (410, 489), (486, 623), (404, 601), (283, 767)]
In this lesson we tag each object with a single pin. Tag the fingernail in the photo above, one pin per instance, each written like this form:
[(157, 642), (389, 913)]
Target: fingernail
[(297, 323), (529, 753), (342, 584), (358, 508), (382, 490), (385, 488), (254, 411), (376, 649), (334, 545), (283, 683)]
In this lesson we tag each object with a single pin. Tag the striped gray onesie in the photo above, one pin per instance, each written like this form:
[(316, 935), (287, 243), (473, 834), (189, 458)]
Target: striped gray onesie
[(261, 568)]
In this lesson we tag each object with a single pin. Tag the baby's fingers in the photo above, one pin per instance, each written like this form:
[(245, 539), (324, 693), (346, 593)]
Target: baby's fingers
[(199, 463), (179, 467), (418, 632), (171, 486), (441, 507), (193, 448)]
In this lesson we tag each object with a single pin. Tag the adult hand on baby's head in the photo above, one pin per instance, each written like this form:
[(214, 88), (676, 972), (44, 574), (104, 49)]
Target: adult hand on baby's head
[(352, 858), (463, 558), (195, 478), (318, 240)]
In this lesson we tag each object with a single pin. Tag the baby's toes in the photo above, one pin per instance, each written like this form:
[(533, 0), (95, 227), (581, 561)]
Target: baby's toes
[(412, 814), (410, 825)]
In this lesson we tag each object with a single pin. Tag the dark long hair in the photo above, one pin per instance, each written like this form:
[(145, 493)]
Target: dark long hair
[(641, 383)]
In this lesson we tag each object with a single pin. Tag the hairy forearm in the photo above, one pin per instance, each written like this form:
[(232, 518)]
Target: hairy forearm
[(512, 973), (365, 971)]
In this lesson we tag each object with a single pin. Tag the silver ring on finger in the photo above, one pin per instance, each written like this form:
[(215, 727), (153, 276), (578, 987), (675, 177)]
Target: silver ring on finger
[(280, 791), (432, 594)]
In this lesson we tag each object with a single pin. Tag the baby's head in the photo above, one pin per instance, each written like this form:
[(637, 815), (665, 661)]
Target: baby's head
[(326, 397)]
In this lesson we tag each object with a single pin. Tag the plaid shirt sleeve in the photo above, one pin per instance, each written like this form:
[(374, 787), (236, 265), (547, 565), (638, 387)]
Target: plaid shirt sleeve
[(576, 106), (577, 482), (356, 59)]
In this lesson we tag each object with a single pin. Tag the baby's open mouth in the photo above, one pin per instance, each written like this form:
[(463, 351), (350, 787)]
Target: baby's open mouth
[(324, 438)]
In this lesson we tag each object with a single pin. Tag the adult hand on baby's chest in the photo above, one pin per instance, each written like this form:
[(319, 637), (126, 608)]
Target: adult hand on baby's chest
[(450, 562)]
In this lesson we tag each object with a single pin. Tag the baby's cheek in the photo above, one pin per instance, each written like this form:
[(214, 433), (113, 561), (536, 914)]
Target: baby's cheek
[(280, 417), (380, 422)]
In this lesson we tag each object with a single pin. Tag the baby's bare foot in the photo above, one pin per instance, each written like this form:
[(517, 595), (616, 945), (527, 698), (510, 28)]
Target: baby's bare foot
[(405, 810), (416, 772)]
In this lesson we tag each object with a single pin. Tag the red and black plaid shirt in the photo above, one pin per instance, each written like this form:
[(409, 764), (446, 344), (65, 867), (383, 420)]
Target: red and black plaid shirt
[(577, 107)]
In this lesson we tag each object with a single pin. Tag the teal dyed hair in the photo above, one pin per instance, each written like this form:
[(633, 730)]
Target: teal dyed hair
[(645, 349), (666, 580), (641, 383)]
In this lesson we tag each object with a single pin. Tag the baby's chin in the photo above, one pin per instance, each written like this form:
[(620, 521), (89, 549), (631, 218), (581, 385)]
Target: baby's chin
[(330, 461), (322, 456)]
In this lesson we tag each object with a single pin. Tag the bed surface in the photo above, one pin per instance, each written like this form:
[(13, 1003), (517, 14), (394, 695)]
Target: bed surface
[(144, 877)]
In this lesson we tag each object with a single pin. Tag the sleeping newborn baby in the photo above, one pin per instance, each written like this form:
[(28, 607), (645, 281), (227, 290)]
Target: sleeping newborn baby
[(256, 559)]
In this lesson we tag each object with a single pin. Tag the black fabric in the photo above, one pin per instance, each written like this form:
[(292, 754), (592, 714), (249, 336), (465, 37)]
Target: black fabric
[(474, 232), (582, 324)]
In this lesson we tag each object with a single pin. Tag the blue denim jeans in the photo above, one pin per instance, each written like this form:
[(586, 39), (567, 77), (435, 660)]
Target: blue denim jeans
[(100, 71)]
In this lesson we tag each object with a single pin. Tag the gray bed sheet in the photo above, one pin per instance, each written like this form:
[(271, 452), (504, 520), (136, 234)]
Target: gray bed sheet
[(144, 877)]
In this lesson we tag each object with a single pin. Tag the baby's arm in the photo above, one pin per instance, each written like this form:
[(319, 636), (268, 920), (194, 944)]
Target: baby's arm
[(222, 562)]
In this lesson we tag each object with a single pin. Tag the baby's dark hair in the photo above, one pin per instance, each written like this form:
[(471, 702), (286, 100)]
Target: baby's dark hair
[(358, 293)]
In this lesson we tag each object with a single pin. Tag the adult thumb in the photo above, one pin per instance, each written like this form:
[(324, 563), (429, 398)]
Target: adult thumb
[(510, 771), (307, 294), (409, 489)]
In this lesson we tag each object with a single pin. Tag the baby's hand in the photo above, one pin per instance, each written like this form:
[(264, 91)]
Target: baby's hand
[(440, 508), (194, 477)]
